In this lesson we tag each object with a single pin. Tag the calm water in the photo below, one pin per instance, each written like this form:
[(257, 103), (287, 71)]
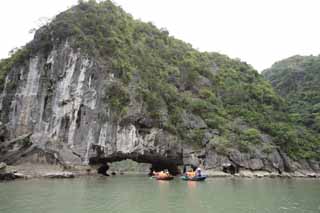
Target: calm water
[(142, 194)]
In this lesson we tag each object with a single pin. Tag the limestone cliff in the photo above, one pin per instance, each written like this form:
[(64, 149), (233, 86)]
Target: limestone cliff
[(58, 99), (97, 86)]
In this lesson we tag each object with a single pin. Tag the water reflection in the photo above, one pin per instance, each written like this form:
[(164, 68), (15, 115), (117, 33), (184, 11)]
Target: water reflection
[(141, 194), (192, 184)]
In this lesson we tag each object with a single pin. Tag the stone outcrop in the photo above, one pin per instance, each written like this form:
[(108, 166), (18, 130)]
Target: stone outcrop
[(54, 110), (56, 113), (257, 164), (3, 167), (9, 175), (59, 175)]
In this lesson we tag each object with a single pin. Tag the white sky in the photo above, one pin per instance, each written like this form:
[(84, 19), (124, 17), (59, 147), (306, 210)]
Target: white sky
[(259, 32)]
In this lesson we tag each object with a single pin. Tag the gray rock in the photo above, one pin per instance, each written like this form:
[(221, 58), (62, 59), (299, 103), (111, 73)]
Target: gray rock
[(60, 100), (216, 173), (246, 173), (266, 138), (215, 161), (192, 121), (7, 176), (58, 113), (274, 162), (314, 165), (255, 164), (190, 156), (59, 175), (245, 160), (3, 168), (209, 135), (20, 175), (3, 165)]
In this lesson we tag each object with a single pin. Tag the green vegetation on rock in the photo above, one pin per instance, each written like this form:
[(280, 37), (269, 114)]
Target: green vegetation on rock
[(296, 79), (172, 80), (17, 58)]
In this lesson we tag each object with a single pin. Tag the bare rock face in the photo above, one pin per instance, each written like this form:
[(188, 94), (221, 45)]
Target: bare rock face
[(60, 175), (193, 121), (8, 175), (3, 168), (57, 107), (54, 110)]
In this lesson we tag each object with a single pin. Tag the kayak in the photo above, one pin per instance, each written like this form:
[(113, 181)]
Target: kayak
[(164, 177), (195, 178)]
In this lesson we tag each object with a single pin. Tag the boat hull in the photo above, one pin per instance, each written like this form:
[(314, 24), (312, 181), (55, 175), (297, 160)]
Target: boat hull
[(165, 178), (196, 178)]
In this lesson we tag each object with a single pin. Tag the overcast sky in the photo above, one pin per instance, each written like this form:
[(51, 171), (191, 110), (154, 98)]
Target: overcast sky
[(259, 32)]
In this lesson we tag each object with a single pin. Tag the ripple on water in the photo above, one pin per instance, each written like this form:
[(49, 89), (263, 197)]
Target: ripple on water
[(123, 194)]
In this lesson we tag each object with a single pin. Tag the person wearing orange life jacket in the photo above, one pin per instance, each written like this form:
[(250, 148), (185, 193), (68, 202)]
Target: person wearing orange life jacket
[(191, 173), (163, 174)]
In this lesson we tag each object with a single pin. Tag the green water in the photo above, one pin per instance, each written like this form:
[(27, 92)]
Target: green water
[(142, 194)]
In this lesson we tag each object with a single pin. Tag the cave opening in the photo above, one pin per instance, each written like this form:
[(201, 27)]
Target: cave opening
[(103, 169), (161, 166), (122, 163), (230, 168)]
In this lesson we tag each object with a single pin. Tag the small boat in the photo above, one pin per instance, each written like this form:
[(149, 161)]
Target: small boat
[(169, 177), (194, 178)]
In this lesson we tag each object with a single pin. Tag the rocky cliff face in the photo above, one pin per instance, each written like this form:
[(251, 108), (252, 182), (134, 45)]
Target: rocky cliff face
[(146, 97), (57, 102)]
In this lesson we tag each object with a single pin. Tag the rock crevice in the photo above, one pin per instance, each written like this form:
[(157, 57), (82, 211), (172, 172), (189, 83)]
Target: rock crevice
[(57, 113)]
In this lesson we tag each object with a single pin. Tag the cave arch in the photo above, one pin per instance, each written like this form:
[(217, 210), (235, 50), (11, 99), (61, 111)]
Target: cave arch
[(157, 162)]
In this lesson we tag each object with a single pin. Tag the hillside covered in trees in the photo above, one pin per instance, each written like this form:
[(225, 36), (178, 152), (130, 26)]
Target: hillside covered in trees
[(200, 97), (296, 79)]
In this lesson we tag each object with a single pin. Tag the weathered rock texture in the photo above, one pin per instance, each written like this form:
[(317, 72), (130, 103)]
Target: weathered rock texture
[(56, 114), (54, 110)]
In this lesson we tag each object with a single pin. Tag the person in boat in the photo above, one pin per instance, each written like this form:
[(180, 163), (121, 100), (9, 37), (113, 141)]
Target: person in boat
[(198, 172), (191, 173), (155, 174), (163, 174), (166, 171)]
